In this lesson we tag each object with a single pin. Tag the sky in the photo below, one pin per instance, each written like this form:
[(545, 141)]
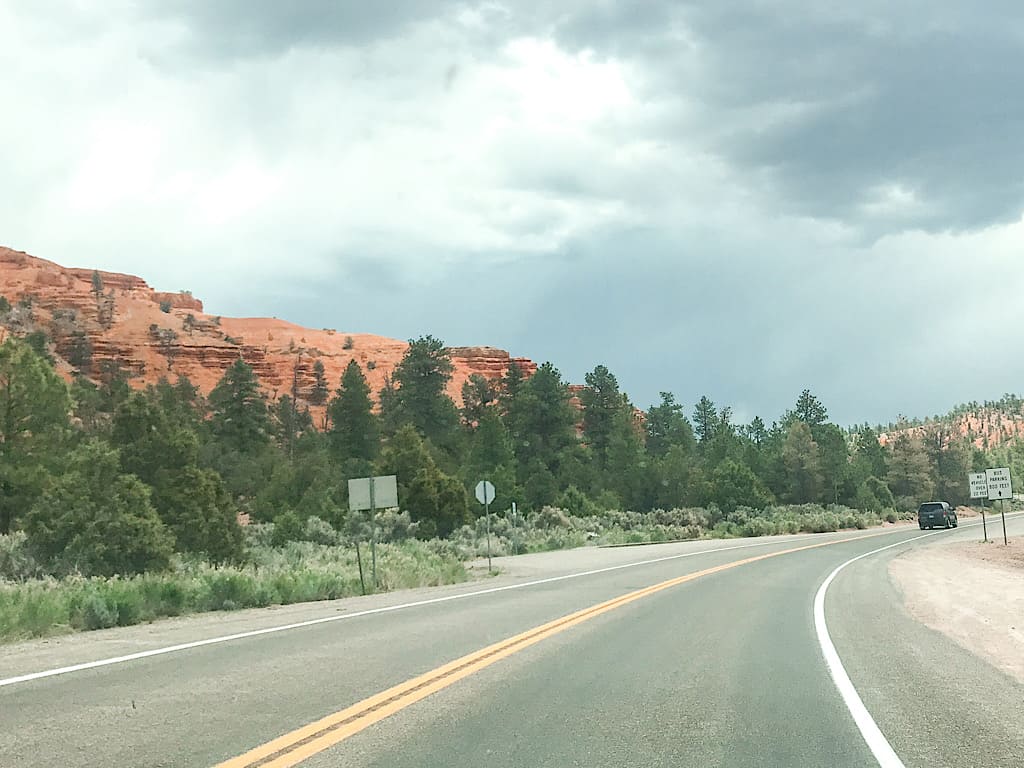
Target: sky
[(739, 199)]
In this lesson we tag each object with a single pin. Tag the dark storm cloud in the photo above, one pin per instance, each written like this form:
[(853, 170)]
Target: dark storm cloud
[(241, 28), (739, 199), (832, 108), (931, 110)]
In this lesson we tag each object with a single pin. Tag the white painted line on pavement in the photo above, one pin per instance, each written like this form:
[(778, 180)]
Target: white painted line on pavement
[(876, 741), (385, 609)]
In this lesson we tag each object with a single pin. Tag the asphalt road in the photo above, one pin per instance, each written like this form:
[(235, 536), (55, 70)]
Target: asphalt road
[(722, 668)]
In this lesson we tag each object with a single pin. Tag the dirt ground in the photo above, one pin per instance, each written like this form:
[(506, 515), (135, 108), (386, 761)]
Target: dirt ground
[(972, 592)]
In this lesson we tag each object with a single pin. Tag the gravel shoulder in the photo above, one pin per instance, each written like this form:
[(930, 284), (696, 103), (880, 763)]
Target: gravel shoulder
[(973, 593)]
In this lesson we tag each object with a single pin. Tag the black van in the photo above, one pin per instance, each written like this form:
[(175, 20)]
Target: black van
[(933, 513)]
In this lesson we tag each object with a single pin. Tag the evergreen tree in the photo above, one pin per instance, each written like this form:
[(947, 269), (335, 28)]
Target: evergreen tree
[(163, 453), (666, 426), (543, 425), (676, 472), (436, 502), (422, 377), (834, 462), (803, 464), (510, 385), (705, 420), (390, 418), (354, 432), (869, 457), (809, 410), (290, 422), (733, 485), (756, 432), (478, 395), (490, 446), (951, 458), (602, 403), (910, 476), (34, 423), (96, 521), (319, 394), (627, 473), (201, 515), (239, 420)]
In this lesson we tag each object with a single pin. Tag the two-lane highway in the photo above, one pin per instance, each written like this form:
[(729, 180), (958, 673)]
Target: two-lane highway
[(701, 653)]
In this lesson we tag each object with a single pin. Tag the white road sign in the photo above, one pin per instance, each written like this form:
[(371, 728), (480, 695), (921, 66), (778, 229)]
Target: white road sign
[(999, 486), (979, 485), (379, 492), (484, 492)]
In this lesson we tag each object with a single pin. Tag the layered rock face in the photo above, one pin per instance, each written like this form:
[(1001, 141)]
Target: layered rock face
[(104, 321), (985, 428)]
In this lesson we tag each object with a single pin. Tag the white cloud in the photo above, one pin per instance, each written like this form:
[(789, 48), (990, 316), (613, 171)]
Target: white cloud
[(475, 141)]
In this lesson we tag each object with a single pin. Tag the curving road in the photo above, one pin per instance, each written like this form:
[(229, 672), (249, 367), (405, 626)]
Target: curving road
[(701, 653)]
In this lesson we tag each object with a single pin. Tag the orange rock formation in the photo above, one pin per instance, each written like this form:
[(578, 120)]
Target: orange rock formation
[(124, 323)]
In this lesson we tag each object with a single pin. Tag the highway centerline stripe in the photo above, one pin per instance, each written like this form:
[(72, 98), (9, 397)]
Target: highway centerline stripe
[(368, 612), (292, 748)]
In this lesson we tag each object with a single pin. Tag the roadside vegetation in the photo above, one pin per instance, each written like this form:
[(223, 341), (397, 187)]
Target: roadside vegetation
[(36, 605), (121, 504)]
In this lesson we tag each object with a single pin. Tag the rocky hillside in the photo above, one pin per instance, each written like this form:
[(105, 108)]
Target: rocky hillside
[(985, 426), (98, 322)]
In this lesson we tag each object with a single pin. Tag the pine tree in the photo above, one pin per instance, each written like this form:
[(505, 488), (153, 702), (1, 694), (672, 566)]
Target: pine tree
[(602, 403), (809, 410), (803, 464), (163, 451), (543, 424), (478, 395), (97, 521), (667, 425), (734, 485), (354, 432), (422, 377), (705, 419), (319, 394), (910, 476), (436, 502), (239, 420), (34, 422)]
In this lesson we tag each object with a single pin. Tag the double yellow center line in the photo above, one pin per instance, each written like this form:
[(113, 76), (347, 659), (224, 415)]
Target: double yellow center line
[(301, 744)]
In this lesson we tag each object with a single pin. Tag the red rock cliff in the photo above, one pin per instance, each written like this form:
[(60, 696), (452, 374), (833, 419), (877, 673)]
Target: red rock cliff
[(98, 320)]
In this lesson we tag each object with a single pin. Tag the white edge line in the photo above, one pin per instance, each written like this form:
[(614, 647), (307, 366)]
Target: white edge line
[(385, 609), (876, 741), (370, 611)]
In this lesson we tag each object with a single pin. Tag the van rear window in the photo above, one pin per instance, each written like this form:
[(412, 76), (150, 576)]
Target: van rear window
[(930, 508)]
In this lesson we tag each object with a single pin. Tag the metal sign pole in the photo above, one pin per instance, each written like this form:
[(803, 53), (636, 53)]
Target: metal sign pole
[(984, 528), (487, 514), (1002, 514), (373, 534), (359, 560), (515, 530)]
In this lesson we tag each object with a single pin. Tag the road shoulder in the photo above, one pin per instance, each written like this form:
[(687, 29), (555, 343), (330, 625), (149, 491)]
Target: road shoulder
[(971, 592)]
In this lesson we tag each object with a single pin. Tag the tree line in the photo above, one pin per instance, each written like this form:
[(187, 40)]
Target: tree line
[(104, 478)]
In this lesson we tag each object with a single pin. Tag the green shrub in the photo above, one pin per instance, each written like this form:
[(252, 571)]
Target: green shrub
[(97, 613), (16, 560), (319, 532), (287, 527)]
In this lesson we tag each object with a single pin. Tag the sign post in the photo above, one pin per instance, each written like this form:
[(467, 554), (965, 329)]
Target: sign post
[(1000, 487), (979, 490), (485, 495), (515, 530), (372, 493)]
